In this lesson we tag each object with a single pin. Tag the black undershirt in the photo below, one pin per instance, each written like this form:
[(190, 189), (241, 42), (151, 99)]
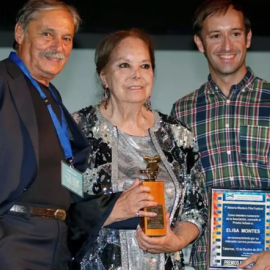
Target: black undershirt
[(47, 190)]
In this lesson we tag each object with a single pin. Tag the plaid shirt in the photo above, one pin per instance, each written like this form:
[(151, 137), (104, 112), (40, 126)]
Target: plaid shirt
[(233, 134)]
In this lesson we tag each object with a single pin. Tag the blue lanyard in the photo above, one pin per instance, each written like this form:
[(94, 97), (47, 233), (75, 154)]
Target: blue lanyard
[(61, 129)]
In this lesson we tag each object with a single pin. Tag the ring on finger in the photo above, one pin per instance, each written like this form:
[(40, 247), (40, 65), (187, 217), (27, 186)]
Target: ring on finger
[(137, 214)]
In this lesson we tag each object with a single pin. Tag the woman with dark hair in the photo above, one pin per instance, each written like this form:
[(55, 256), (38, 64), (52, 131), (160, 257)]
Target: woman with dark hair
[(126, 130)]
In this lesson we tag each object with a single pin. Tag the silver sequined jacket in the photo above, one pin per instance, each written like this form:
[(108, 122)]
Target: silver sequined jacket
[(176, 146)]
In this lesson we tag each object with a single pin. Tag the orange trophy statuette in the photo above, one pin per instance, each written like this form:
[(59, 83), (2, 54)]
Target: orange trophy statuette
[(154, 226)]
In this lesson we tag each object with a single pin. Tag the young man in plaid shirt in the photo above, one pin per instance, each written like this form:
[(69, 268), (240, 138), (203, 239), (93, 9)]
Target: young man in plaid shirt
[(230, 113)]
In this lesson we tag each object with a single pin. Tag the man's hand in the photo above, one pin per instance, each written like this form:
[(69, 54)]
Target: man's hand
[(261, 261)]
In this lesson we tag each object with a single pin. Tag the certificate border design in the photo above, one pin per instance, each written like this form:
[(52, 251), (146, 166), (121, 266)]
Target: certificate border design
[(216, 200)]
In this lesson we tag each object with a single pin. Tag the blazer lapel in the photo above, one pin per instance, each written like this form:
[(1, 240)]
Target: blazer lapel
[(23, 102)]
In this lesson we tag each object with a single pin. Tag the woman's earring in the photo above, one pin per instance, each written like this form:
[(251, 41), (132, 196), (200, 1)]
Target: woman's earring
[(106, 94)]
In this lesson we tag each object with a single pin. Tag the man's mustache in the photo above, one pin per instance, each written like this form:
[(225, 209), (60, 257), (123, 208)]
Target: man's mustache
[(56, 55)]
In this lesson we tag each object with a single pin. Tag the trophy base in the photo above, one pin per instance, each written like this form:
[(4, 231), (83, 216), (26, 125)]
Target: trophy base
[(155, 226)]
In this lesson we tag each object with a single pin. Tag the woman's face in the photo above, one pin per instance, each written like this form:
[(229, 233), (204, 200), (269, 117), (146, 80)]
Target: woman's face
[(129, 73)]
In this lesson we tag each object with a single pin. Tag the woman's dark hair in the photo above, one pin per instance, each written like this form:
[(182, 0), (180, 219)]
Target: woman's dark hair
[(110, 42)]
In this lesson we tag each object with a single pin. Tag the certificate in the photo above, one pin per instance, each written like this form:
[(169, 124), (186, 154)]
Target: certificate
[(239, 226)]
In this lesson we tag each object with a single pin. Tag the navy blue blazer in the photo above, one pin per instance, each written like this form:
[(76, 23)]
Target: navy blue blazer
[(19, 136), (19, 154)]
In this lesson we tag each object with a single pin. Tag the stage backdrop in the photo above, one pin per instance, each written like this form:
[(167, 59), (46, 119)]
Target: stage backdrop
[(177, 74)]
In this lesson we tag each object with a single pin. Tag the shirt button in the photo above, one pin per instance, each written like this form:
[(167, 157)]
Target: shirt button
[(227, 125), (228, 101), (228, 152)]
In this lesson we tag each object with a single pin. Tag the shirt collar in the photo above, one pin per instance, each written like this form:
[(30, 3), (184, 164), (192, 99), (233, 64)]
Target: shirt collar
[(244, 83)]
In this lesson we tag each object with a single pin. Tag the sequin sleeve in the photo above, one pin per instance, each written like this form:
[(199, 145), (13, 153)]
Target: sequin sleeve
[(195, 203), (82, 122), (179, 145)]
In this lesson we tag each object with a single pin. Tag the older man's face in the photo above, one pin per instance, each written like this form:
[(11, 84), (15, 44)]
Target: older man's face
[(46, 44)]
